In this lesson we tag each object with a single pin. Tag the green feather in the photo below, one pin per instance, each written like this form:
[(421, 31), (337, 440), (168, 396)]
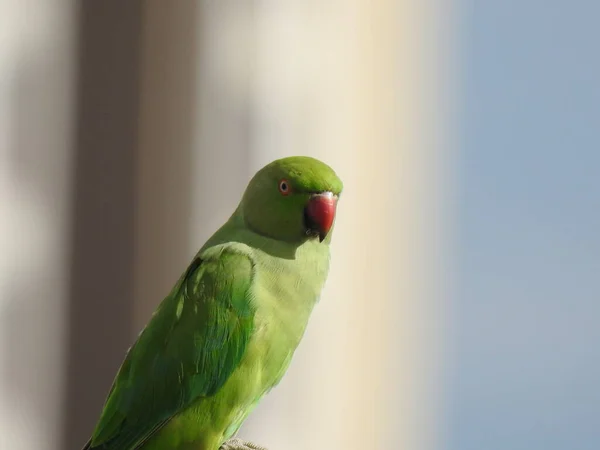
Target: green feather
[(195, 339)]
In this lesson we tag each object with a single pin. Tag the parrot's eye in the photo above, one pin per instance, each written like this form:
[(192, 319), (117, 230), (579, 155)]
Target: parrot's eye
[(284, 187)]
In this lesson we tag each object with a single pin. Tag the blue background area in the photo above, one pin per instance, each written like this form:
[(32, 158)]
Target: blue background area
[(525, 330)]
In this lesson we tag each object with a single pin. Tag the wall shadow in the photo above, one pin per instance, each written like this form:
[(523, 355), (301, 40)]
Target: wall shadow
[(101, 300)]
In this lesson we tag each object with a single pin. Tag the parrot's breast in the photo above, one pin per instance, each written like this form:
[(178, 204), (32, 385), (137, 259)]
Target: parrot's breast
[(284, 293)]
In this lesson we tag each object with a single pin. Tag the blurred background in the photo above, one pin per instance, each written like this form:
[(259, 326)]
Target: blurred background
[(462, 307)]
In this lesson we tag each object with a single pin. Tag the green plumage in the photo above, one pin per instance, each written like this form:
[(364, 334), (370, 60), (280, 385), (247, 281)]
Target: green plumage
[(226, 333)]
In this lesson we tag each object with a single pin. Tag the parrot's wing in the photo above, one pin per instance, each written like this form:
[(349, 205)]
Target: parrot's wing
[(193, 343)]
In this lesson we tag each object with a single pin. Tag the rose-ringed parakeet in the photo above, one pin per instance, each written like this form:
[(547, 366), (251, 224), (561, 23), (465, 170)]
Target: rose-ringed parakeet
[(226, 333)]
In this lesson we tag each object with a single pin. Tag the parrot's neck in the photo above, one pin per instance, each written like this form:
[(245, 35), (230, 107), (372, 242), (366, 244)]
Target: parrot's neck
[(236, 230), (302, 268)]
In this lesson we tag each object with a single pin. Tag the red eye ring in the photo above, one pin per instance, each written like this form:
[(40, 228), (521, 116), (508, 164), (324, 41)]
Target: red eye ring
[(284, 187)]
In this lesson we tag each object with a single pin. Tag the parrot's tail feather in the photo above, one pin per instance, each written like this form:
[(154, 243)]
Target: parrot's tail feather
[(87, 445)]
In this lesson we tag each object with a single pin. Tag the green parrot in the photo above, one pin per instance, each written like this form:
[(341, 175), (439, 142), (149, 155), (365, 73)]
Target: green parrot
[(227, 331)]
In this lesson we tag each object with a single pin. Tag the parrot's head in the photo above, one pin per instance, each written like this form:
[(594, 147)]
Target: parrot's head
[(292, 199)]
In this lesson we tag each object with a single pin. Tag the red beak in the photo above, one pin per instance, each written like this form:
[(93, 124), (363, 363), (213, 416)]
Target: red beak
[(320, 213)]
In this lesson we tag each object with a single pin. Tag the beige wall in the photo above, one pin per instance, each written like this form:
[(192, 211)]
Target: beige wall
[(208, 92), (37, 73)]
